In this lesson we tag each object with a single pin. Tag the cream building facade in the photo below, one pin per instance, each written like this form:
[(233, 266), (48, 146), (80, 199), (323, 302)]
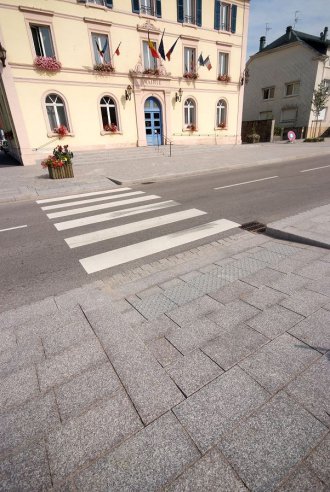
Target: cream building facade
[(107, 89), (282, 78)]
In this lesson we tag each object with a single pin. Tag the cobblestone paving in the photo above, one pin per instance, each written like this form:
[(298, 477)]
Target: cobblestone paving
[(206, 372)]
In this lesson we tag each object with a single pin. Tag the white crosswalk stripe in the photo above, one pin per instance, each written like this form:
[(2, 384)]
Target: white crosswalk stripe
[(127, 204)]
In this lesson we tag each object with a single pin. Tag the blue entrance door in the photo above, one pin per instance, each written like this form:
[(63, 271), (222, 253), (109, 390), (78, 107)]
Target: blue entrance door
[(153, 121)]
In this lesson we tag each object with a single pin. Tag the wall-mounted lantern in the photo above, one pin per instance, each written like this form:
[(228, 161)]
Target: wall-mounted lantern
[(178, 95), (128, 93), (3, 55)]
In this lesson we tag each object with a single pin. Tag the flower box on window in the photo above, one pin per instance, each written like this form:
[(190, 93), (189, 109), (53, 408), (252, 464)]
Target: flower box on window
[(103, 68), (224, 78), (222, 126), (47, 64), (151, 71), (191, 75), (191, 128), (62, 131), (111, 128)]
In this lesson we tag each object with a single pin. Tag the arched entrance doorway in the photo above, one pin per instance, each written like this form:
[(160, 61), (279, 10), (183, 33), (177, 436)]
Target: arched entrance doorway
[(153, 121)]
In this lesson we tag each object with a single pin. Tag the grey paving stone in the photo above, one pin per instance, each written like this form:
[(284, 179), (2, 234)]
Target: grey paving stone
[(187, 277), (150, 292), (18, 387), (55, 370), (249, 265), (290, 283), (8, 340), (233, 345), (133, 317), (196, 309), (212, 411), (233, 314), (267, 277), (27, 470), (322, 286), (193, 371), (149, 330), (211, 473), (305, 302), (319, 461), (84, 390), (266, 447), (16, 317), (274, 364), (174, 282), (193, 334), (274, 321), (163, 351), (280, 248), (264, 255), (231, 292), (302, 480), (314, 330), (27, 352), (28, 421), (315, 270), (63, 337), (182, 294), (153, 306), (87, 297), (208, 282), (263, 297), (150, 388), (147, 461), (91, 434), (311, 388)]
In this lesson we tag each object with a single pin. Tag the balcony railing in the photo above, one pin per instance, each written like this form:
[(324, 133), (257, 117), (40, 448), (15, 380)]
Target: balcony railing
[(189, 19), (147, 10)]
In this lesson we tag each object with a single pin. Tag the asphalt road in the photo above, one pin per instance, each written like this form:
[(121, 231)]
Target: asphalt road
[(35, 261)]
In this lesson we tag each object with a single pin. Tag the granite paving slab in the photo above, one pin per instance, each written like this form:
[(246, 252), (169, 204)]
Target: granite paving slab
[(63, 337), (147, 461), (26, 471), (274, 321), (266, 447), (233, 314), (266, 276), (274, 364), (314, 330), (302, 480), (233, 345), (281, 248), (8, 340), (193, 371), (211, 473), (57, 369), (181, 294), (148, 385), (305, 302), (208, 282), (231, 292), (149, 330), (18, 387), (265, 255), (210, 412), (163, 351), (315, 270), (15, 317), (311, 389), (193, 335), (321, 286), (193, 310), (91, 434), (290, 283), (153, 306), (93, 385), (26, 353), (263, 297), (319, 461)]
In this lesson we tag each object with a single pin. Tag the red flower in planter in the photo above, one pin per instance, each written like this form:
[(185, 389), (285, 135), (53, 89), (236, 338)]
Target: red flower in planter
[(62, 131), (224, 78), (111, 128), (47, 64), (192, 128)]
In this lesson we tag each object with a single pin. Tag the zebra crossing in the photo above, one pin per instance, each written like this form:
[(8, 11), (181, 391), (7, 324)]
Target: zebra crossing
[(127, 203)]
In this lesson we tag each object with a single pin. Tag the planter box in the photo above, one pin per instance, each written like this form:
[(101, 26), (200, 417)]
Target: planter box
[(65, 171)]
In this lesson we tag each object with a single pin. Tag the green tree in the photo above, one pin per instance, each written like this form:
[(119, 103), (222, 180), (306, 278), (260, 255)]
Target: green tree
[(319, 102)]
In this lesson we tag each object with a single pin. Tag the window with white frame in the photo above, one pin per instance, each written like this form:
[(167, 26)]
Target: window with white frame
[(189, 55), (292, 89), (42, 40), (101, 48), (149, 62), (225, 16), (147, 7), (266, 115), (222, 113), (189, 11), (268, 93), (189, 113), (56, 112), (101, 3), (223, 63), (288, 115), (109, 113)]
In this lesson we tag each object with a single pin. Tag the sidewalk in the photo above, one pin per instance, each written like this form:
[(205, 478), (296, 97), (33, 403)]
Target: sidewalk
[(205, 371), (135, 165)]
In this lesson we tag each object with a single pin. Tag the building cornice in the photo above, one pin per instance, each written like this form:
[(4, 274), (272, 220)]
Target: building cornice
[(34, 10), (90, 20)]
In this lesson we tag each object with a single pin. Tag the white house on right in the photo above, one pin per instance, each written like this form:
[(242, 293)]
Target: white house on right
[(282, 78)]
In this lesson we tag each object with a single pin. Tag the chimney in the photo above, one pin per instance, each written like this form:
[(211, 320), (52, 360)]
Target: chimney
[(325, 34), (262, 43), (288, 31)]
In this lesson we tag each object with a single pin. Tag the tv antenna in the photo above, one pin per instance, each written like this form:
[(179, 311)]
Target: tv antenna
[(267, 29), (296, 18)]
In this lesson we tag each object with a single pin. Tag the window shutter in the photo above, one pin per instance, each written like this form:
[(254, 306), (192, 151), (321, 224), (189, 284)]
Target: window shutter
[(233, 18), (199, 13), (217, 6), (180, 10), (108, 4), (158, 8), (135, 6)]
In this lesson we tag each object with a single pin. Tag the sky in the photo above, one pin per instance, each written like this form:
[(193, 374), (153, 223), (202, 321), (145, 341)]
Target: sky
[(313, 16)]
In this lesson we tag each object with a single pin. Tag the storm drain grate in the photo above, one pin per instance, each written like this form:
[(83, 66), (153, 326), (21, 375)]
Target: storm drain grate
[(254, 226)]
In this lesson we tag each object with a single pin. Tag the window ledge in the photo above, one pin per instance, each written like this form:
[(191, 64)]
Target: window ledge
[(187, 24), (186, 130), (95, 6), (292, 95), (33, 10), (220, 129), (147, 16), (110, 133), (52, 135)]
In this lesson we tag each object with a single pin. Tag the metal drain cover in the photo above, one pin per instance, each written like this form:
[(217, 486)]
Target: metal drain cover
[(254, 226)]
